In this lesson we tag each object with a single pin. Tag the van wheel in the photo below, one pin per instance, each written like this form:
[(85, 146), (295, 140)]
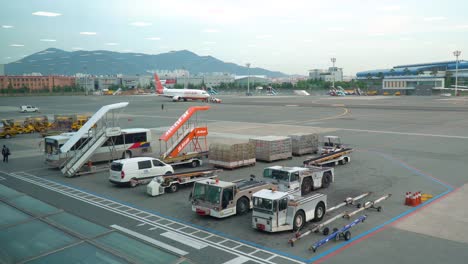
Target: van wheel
[(174, 188), (242, 206), (127, 154), (133, 182), (299, 221), (194, 164), (319, 212), (168, 173)]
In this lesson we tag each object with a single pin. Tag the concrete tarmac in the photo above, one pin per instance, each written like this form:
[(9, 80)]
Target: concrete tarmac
[(402, 144)]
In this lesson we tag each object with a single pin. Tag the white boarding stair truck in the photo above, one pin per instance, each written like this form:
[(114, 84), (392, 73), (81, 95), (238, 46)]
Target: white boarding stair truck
[(221, 199), (276, 211), (171, 183), (303, 179)]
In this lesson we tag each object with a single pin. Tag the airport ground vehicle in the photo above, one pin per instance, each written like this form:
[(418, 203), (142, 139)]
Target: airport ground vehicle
[(275, 211), (5, 132), (79, 121), (222, 199), (128, 171), (303, 179), (332, 152), (171, 182), (28, 108), (129, 143)]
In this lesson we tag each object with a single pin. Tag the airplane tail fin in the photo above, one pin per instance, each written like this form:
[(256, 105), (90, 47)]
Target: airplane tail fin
[(158, 85)]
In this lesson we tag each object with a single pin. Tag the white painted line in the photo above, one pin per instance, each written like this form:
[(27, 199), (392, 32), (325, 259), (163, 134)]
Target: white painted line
[(402, 133), (150, 240), (154, 228), (238, 260), (2, 179), (142, 224), (184, 240)]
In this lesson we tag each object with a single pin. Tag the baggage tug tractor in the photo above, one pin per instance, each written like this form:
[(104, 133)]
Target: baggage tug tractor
[(275, 211), (303, 179), (222, 199)]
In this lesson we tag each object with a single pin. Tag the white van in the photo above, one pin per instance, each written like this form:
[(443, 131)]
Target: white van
[(28, 108), (124, 170)]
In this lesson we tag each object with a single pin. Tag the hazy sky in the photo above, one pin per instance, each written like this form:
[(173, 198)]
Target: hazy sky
[(289, 36)]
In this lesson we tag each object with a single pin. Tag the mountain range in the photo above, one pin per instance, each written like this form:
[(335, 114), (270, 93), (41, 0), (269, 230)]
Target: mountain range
[(102, 62)]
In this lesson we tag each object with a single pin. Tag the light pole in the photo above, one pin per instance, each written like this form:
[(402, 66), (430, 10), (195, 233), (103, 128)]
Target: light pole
[(248, 79), (457, 54), (333, 60)]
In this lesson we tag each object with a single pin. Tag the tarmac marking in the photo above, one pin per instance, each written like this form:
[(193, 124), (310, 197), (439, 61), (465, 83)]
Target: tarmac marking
[(185, 240), (238, 260), (2, 179), (150, 240), (142, 224), (226, 246), (401, 133)]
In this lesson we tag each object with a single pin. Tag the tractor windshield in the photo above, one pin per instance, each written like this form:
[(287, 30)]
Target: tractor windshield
[(207, 193)]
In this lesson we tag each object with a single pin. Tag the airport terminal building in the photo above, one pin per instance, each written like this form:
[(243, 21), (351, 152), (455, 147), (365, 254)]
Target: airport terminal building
[(415, 79)]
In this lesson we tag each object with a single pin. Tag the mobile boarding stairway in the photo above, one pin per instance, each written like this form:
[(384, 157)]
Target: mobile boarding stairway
[(185, 133), (93, 134)]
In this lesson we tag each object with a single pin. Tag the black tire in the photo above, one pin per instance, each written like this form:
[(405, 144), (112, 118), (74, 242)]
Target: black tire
[(185, 99), (347, 235), (299, 220), (133, 182), (127, 154), (326, 231), (379, 209), (242, 206), (195, 164), (319, 212), (326, 180), (173, 188), (168, 173), (307, 186)]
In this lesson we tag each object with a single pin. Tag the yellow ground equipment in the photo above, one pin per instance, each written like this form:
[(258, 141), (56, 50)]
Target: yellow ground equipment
[(40, 123), (79, 122)]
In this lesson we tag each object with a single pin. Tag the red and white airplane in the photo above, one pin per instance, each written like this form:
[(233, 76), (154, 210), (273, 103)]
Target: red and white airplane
[(180, 94)]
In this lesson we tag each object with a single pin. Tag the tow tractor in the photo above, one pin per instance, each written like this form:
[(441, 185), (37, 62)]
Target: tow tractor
[(333, 152), (171, 183), (305, 179), (221, 199), (275, 211)]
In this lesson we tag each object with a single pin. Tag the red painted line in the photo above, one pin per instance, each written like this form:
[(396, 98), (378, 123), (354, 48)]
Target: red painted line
[(382, 229)]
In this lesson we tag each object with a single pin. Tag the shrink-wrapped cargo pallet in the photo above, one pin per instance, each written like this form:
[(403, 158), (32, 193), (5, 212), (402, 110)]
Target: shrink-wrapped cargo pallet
[(304, 143), (232, 156), (271, 148)]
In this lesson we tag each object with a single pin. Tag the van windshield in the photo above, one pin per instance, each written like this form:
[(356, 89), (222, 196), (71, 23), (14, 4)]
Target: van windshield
[(115, 166)]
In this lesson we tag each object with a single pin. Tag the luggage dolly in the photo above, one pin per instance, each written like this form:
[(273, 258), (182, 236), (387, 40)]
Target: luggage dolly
[(338, 234)]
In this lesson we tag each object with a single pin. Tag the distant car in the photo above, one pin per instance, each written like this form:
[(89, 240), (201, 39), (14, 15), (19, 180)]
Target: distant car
[(215, 100), (28, 108), (445, 94)]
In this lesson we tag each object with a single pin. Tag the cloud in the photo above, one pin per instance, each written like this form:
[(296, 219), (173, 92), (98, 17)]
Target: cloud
[(140, 24), (209, 42), (335, 29), (263, 36), (437, 18), (89, 33), (308, 40), (153, 38), (16, 45), (47, 14), (112, 44), (377, 34), (210, 30), (7, 26), (48, 40), (390, 8)]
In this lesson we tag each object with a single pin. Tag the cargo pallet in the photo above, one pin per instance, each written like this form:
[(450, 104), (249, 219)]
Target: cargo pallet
[(233, 164)]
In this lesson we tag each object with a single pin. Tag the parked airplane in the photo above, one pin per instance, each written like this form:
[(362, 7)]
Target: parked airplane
[(180, 94)]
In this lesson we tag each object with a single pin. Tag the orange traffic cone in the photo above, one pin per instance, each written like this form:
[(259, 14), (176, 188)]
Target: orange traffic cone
[(419, 198), (408, 198), (413, 200)]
